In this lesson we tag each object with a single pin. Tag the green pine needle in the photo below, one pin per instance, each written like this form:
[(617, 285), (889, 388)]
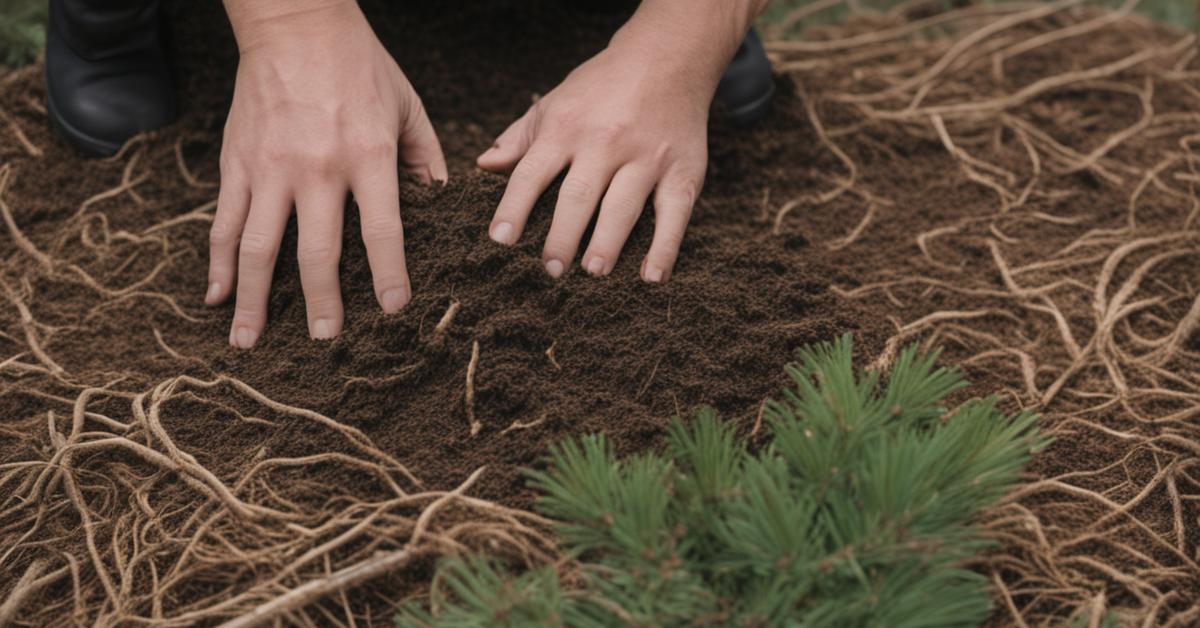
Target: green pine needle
[(22, 30), (858, 513)]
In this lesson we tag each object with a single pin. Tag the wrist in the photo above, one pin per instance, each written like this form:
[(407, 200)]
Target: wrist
[(266, 23), (691, 39)]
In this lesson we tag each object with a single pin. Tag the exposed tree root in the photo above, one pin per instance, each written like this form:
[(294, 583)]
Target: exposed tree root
[(248, 524), (447, 318), (120, 505), (1098, 334), (469, 396)]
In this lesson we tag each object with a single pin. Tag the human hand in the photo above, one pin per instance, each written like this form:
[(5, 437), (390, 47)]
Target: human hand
[(319, 109), (629, 122)]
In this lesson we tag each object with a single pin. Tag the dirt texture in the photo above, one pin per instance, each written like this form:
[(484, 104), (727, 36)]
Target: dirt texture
[(114, 285), (1015, 182)]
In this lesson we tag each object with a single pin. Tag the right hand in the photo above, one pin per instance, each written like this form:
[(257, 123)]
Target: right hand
[(319, 109)]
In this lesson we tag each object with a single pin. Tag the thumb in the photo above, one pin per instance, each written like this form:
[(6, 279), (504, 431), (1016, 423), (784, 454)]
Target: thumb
[(510, 147), (420, 151)]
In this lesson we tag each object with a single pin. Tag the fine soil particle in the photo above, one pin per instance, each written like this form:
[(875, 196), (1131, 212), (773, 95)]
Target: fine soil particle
[(611, 355), (577, 355)]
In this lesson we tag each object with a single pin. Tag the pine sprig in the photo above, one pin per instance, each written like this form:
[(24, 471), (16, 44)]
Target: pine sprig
[(22, 30), (858, 513)]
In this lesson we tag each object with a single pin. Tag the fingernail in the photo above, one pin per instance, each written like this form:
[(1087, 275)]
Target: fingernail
[(653, 273), (245, 337), (502, 233), (393, 299), (555, 268), (322, 329), (214, 289), (596, 266)]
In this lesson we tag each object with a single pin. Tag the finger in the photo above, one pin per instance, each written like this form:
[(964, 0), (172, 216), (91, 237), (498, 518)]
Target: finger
[(319, 217), (673, 204), (578, 196), (420, 150), (510, 147), (269, 210), (619, 212), (531, 176), (233, 201), (378, 195)]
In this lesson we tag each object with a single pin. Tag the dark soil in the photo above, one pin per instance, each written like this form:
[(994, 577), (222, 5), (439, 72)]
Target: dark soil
[(627, 356)]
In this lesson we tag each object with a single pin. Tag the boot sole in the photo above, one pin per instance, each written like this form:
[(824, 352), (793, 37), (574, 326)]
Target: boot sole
[(87, 144)]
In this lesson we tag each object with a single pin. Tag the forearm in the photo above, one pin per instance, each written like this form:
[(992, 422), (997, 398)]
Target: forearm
[(704, 34), (259, 22)]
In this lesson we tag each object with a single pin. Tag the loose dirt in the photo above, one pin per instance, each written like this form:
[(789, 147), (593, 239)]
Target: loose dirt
[(1021, 190), (552, 358)]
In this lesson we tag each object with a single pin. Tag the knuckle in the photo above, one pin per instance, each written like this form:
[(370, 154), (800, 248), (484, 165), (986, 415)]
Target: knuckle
[(625, 207), (257, 249), (661, 154), (221, 234), (528, 169), (613, 132), (686, 190), (322, 163), (273, 153), (317, 255), (382, 229), (576, 189), (310, 161), (373, 151)]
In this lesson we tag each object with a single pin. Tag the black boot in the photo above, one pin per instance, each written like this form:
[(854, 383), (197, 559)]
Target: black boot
[(107, 77), (747, 87)]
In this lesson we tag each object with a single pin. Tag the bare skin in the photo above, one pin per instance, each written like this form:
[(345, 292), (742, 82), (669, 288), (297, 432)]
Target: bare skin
[(630, 122), (320, 109)]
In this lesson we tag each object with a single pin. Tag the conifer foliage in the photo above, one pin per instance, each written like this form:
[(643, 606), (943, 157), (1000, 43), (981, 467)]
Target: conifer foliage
[(857, 513)]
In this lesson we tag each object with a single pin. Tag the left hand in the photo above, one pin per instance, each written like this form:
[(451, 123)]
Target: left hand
[(627, 123)]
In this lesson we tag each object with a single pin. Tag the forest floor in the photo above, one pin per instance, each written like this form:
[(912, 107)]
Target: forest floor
[(1014, 182)]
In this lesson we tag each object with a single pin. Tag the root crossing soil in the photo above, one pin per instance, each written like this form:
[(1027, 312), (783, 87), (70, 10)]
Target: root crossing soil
[(159, 474), (1016, 182)]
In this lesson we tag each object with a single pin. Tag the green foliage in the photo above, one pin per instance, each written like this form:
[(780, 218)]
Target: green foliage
[(858, 513), (22, 30)]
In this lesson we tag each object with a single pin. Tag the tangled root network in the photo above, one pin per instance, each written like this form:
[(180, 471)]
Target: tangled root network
[(1069, 282), (1061, 272)]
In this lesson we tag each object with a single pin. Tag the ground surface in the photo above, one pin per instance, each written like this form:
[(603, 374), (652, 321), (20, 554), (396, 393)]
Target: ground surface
[(1028, 202)]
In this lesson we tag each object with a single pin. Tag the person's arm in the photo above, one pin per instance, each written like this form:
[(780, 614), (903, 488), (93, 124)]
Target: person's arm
[(319, 109), (628, 123)]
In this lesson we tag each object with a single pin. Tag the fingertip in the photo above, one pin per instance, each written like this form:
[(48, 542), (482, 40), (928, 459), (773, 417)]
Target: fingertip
[(213, 296), (440, 173), (596, 266), (652, 273), (502, 233), (242, 336), (495, 160), (324, 329), (393, 300)]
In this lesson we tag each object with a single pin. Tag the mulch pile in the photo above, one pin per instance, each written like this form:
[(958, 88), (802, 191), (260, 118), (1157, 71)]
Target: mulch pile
[(1014, 182)]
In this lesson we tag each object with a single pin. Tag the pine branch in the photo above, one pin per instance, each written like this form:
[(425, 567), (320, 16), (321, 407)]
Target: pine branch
[(858, 513)]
